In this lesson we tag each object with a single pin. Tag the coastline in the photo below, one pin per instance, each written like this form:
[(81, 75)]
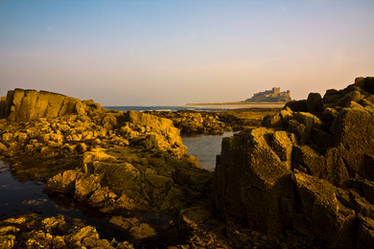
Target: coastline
[(235, 105), (133, 167)]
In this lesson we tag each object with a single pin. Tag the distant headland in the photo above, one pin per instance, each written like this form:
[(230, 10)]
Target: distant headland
[(273, 95), (273, 98)]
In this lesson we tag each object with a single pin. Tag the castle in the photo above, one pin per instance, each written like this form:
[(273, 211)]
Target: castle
[(273, 95)]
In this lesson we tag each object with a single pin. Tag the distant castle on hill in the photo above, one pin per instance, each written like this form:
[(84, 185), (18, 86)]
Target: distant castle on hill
[(273, 95)]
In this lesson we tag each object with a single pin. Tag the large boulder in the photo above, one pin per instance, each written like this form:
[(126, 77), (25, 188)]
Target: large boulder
[(251, 159), (25, 105)]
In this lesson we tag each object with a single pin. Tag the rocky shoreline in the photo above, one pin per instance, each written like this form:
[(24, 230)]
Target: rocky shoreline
[(302, 180), (215, 123)]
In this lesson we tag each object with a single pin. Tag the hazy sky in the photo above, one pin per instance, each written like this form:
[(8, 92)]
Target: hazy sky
[(174, 52)]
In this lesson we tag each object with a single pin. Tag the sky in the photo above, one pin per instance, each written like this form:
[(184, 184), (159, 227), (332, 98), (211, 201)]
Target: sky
[(174, 52)]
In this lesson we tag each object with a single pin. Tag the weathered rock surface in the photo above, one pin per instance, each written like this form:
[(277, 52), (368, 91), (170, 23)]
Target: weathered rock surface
[(25, 105), (308, 172), (32, 231)]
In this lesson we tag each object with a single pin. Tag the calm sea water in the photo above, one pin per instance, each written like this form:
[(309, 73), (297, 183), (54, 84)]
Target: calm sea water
[(205, 148), (151, 108), (166, 108), (18, 198)]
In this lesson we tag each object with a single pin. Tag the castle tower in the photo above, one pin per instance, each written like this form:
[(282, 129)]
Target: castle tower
[(276, 91)]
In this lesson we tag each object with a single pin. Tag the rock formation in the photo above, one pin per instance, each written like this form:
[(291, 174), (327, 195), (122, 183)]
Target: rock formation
[(309, 172), (24, 105), (110, 159)]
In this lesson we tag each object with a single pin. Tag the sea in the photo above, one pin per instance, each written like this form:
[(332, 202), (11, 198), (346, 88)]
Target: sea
[(165, 108)]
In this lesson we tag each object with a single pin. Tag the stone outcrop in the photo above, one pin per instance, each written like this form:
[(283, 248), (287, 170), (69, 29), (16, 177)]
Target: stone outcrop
[(309, 172), (25, 105)]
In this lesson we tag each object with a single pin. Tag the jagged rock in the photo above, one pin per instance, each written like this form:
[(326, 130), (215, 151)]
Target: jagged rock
[(63, 182), (328, 190), (261, 172), (323, 213), (85, 186), (353, 130), (282, 142), (309, 161), (278, 120)]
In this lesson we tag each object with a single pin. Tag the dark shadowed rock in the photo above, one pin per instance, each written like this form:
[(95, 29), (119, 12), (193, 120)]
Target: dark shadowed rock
[(313, 103), (369, 167), (297, 105)]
